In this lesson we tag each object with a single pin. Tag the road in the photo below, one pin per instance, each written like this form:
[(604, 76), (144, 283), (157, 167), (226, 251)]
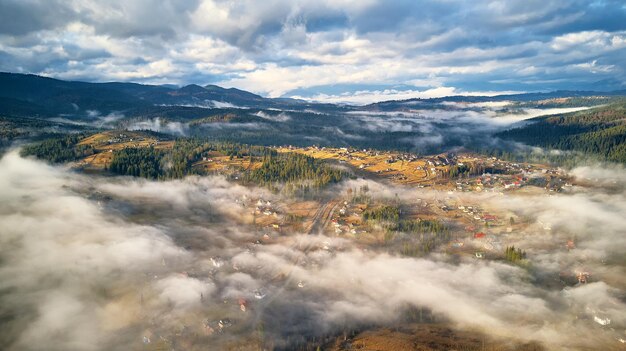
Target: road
[(322, 217), (320, 220)]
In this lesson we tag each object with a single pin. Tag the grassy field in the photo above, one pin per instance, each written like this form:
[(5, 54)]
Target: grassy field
[(216, 163), (106, 142), (406, 172), (426, 337)]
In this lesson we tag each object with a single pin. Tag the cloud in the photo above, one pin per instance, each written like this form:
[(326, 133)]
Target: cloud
[(70, 252), (280, 117), (184, 292), (100, 263), (428, 129), (159, 126), (368, 96), (281, 47)]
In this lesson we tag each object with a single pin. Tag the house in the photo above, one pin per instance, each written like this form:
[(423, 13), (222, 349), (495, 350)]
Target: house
[(602, 321), (208, 330), (242, 305), (489, 218), (217, 262), (583, 277), (224, 323)]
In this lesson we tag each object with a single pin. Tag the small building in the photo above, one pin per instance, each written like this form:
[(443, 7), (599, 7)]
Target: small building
[(489, 218)]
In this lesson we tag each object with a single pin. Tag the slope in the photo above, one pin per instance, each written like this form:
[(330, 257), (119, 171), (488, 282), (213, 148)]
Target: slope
[(600, 131)]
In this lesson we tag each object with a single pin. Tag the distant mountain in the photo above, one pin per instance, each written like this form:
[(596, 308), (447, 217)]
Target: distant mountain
[(233, 92), (28, 95), (191, 89), (391, 105), (52, 97), (32, 95), (14, 107)]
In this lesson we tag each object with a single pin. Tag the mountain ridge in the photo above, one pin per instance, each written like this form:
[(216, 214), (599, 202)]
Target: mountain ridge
[(27, 94)]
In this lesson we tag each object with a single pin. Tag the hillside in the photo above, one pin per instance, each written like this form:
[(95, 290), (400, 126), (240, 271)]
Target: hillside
[(600, 131), (27, 95), (31, 95), (424, 126), (561, 98)]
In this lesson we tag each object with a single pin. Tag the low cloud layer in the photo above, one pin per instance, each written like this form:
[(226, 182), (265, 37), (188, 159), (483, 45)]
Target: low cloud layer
[(158, 125), (100, 263), (278, 117), (439, 130)]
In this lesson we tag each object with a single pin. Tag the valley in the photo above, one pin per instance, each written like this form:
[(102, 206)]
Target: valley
[(192, 175), (386, 227)]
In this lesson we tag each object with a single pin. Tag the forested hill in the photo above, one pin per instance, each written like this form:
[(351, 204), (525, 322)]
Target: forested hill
[(600, 131), (27, 95)]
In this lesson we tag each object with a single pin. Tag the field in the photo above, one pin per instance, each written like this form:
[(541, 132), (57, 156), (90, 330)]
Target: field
[(218, 163), (425, 337), (388, 165), (106, 142)]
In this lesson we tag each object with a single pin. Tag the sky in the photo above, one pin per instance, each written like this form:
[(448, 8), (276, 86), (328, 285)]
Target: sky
[(324, 50)]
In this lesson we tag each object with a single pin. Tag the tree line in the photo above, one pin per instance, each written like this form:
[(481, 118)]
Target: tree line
[(178, 162), (514, 255), (385, 213), (294, 168), (59, 149)]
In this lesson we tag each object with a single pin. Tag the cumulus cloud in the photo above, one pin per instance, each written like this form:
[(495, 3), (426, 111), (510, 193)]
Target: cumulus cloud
[(282, 48)]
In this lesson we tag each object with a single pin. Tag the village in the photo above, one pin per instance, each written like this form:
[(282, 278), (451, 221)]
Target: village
[(449, 213), (474, 231), (456, 172), (452, 175), (463, 172), (105, 143)]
